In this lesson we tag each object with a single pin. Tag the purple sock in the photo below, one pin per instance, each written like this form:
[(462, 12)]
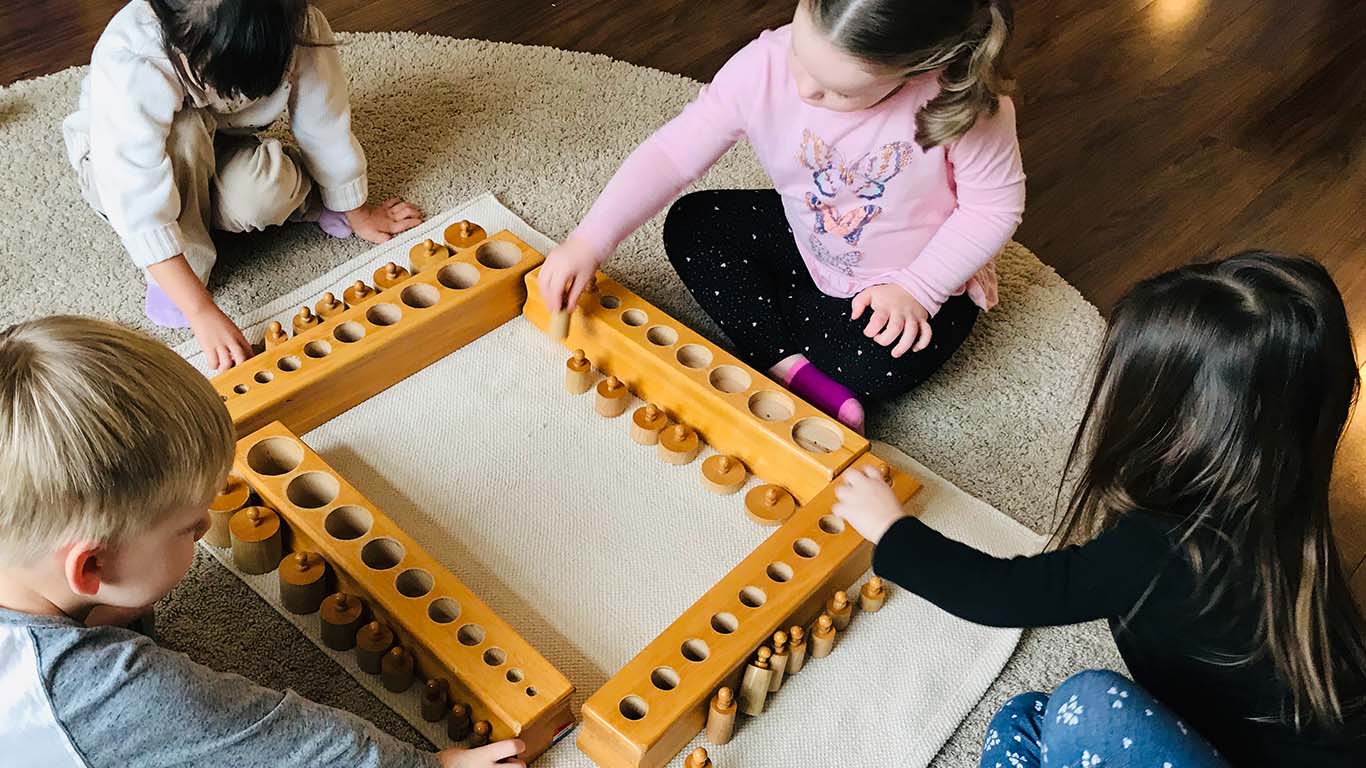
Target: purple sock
[(334, 223), (812, 385), (161, 310)]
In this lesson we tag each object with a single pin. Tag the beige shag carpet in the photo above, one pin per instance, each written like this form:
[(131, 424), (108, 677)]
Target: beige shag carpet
[(443, 119)]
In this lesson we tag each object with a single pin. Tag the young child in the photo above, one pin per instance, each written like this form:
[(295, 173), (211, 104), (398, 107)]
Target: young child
[(111, 448), (1199, 527), (164, 144), (896, 170)]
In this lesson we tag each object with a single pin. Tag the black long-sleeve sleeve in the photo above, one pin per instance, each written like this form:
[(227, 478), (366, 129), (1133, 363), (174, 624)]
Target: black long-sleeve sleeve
[(1103, 578)]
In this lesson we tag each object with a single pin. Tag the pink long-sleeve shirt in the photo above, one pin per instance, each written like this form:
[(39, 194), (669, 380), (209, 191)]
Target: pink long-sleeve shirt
[(866, 204)]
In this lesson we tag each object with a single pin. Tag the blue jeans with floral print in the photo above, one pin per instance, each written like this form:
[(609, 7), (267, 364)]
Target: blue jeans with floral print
[(1096, 719)]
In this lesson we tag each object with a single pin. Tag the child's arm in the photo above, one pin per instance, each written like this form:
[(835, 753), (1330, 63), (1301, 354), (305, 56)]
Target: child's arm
[(223, 343), (1103, 578)]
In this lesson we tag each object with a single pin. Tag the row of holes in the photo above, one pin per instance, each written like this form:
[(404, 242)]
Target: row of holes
[(277, 456), (459, 276), (813, 434), (695, 650)]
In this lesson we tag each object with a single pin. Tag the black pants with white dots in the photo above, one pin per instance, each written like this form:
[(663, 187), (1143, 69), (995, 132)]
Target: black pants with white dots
[(735, 252)]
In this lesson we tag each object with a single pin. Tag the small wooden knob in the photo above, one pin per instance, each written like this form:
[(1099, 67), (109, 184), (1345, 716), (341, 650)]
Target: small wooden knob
[(357, 293), (779, 641), (275, 335), (769, 505), (772, 496), (840, 601), (825, 624), (762, 657), (796, 635), (613, 383), (254, 516), (724, 698)]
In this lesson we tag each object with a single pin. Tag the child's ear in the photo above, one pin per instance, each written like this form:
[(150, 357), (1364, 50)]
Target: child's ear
[(83, 565)]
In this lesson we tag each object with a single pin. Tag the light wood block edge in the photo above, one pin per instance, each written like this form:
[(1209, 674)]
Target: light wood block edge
[(289, 384), (437, 647), (674, 716), (653, 371)]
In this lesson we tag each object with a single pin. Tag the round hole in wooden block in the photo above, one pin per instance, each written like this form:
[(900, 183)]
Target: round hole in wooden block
[(817, 435), (515, 676), (316, 349), (752, 597), (382, 554), (608, 301), (771, 406), (264, 377), (664, 678), (495, 657), (241, 389), (470, 634), (384, 314), (806, 548), (458, 276), (498, 254), (348, 523), (531, 692), (634, 318), (662, 336), (831, 524), (312, 490), (633, 708), (729, 378), (414, 582), (349, 332), (275, 456), (443, 610), (694, 356), (695, 650), (724, 623), (420, 295), (289, 364), (780, 572)]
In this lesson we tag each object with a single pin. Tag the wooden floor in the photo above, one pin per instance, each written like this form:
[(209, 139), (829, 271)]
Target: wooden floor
[(1155, 132)]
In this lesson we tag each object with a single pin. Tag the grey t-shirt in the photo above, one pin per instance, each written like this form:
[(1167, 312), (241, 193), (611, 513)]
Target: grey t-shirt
[(93, 697)]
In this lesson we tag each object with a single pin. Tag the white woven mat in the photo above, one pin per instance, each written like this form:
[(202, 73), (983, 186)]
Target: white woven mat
[(589, 545)]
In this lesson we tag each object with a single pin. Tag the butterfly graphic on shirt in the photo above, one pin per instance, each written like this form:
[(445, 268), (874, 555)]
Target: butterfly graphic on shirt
[(848, 225), (867, 176), (844, 262)]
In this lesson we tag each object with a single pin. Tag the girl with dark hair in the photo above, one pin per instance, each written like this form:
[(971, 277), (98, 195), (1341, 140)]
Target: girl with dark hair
[(887, 132), (1198, 526), (165, 147)]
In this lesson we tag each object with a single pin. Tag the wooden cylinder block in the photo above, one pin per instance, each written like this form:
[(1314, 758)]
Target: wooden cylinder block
[(872, 596), (341, 616), (698, 758), (436, 700), (275, 335), (372, 642), (480, 733), (463, 234), (390, 275), (796, 649), (778, 662), (233, 497), (256, 542), (840, 610), (578, 373), (769, 505), (646, 424), (754, 686), (303, 582), (329, 306), (679, 444), (426, 255), (721, 717), (357, 293), (559, 325), (613, 397), (823, 637), (305, 320), (396, 670), (724, 474), (458, 724)]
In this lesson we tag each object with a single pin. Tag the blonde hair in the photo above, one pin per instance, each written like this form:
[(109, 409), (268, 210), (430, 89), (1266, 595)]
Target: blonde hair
[(103, 431), (965, 40)]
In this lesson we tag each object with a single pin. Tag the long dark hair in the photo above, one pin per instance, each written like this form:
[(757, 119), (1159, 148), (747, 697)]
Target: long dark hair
[(965, 39), (1221, 394), (240, 47)]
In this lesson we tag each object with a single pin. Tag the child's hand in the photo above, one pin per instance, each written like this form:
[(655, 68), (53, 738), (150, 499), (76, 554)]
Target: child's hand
[(223, 344), (379, 223), (895, 313), (868, 504), (485, 756), (567, 270)]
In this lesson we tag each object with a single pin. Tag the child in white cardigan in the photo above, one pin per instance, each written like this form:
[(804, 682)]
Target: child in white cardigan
[(165, 145)]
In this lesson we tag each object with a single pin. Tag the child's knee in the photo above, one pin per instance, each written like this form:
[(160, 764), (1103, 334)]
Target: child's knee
[(1090, 682), (1030, 704), (258, 187)]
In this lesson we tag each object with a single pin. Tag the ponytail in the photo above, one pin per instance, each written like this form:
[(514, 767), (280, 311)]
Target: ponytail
[(973, 80)]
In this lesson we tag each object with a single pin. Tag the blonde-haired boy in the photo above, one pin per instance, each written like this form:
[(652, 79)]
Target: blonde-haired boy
[(111, 448)]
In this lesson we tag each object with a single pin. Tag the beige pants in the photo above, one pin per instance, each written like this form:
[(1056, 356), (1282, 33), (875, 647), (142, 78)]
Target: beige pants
[(235, 183)]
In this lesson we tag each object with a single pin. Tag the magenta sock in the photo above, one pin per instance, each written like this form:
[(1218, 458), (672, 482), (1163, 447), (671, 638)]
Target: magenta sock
[(812, 385)]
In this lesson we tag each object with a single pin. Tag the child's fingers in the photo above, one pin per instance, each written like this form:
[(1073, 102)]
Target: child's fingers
[(405, 211), (876, 323), (576, 290), (211, 358), (861, 303), (224, 358), (926, 332), (895, 325), (908, 338), (390, 203), (499, 750), (240, 351)]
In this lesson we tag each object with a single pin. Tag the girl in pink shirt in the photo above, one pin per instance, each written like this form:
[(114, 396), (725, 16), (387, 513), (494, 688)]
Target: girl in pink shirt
[(897, 179)]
